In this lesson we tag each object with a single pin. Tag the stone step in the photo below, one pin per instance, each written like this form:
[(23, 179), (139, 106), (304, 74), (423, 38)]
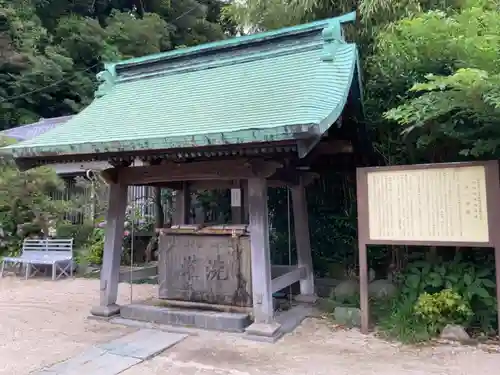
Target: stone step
[(212, 320)]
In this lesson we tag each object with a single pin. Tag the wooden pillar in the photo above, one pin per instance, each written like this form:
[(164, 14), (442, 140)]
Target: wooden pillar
[(113, 242), (244, 193), (182, 205), (363, 287), (497, 274), (263, 309), (162, 268), (302, 239)]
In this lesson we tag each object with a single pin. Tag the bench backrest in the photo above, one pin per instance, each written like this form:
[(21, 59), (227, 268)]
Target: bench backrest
[(48, 247)]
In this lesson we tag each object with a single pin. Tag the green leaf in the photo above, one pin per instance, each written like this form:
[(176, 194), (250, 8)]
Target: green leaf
[(420, 264), (413, 281), (490, 302), (467, 279), (440, 270), (488, 283), (481, 292), (435, 280), (484, 272)]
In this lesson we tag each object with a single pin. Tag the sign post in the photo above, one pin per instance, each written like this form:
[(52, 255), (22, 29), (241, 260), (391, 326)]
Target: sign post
[(447, 204)]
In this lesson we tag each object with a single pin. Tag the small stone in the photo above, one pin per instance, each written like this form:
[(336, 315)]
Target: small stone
[(371, 275), (348, 316), (382, 289), (454, 332), (346, 289)]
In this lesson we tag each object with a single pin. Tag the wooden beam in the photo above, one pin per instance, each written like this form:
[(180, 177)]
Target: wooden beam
[(212, 184), (238, 169), (199, 185), (287, 279), (278, 179), (291, 177), (333, 146)]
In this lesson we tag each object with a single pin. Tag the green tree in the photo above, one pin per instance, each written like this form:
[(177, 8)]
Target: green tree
[(137, 36), (25, 203), (51, 50), (458, 103), (29, 63)]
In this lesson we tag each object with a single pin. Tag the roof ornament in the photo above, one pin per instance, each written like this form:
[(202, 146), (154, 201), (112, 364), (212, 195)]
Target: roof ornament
[(332, 37), (106, 79)]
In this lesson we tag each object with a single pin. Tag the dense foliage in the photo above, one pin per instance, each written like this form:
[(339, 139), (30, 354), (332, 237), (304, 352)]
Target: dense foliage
[(50, 50), (458, 102), (26, 207)]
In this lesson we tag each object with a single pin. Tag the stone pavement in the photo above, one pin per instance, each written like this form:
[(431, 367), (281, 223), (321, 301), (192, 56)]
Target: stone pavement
[(116, 356)]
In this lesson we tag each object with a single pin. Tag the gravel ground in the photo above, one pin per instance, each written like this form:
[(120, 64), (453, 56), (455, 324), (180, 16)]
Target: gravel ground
[(43, 322)]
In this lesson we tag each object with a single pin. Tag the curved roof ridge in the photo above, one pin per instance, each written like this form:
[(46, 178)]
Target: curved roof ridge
[(235, 42), (219, 63)]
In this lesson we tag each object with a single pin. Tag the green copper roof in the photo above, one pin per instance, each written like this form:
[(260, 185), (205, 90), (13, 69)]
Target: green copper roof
[(283, 85)]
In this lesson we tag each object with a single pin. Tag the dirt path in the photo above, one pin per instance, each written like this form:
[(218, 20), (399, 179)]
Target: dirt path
[(43, 322), (316, 349)]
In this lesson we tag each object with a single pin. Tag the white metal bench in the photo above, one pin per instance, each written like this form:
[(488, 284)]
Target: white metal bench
[(57, 253)]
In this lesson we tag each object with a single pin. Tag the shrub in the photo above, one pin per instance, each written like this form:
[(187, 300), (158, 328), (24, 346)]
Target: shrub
[(439, 309), (80, 233), (26, 205), (95, 248), (433, 295), (473, 282), (396, 319)]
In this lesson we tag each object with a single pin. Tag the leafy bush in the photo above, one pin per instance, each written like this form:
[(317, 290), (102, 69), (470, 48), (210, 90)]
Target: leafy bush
[(439, 309), (80, 233), (95, 248), (134, 225), (396, 318), (26, 205), (473, 282), (432, 295)]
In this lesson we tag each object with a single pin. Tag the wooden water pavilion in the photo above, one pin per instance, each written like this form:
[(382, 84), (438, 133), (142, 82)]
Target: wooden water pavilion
[(246, 113)]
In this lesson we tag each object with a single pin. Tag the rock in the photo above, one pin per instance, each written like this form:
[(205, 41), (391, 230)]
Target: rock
[(371, 275), (454, 332), (325, 287), (381, 289), (348, 316), (346, 289)]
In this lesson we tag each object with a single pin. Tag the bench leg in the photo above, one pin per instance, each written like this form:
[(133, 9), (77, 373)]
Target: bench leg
[(3, 267), (28, 270), (54, 271)]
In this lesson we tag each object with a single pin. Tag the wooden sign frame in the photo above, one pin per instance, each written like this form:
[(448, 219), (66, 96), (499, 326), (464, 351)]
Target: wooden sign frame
[(492, 182)]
